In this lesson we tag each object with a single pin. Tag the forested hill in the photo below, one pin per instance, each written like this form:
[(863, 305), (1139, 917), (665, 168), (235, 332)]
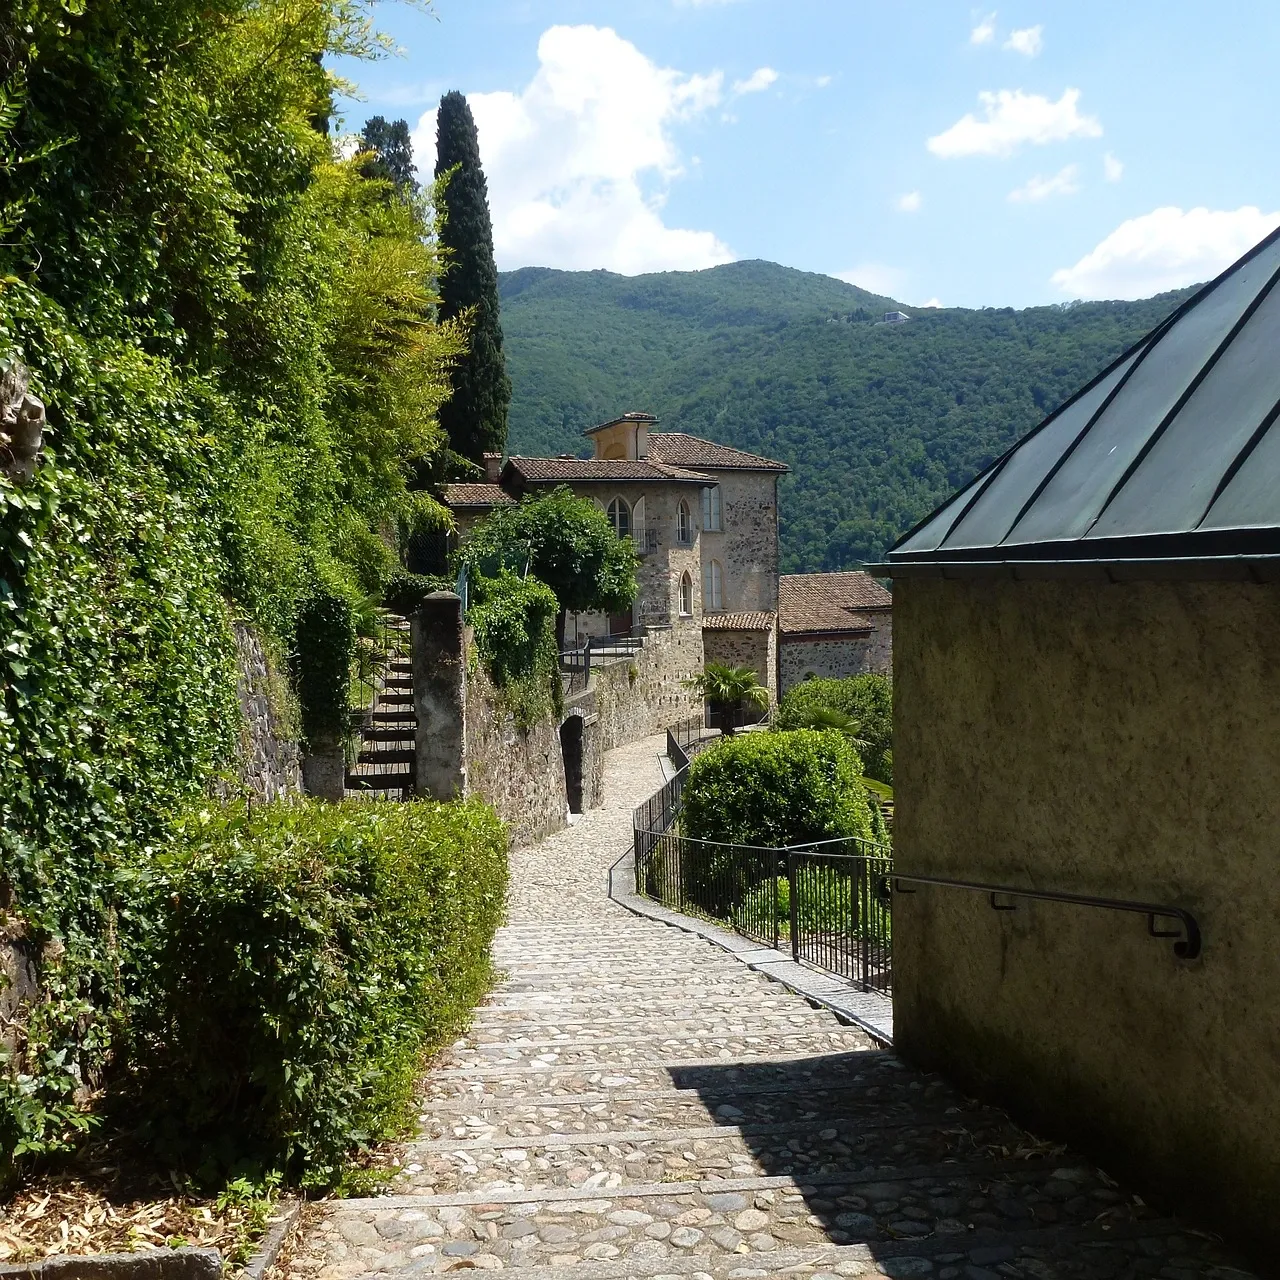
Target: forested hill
[(878, 422)]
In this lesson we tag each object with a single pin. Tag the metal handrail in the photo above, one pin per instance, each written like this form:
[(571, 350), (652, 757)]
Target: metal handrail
[(1185, 948)]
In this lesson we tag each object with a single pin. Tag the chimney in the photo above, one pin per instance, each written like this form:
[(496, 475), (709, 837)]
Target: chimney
[(492, 467)]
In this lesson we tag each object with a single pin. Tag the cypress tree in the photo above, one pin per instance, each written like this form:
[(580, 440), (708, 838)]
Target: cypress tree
[(475, 416), (390, 151)]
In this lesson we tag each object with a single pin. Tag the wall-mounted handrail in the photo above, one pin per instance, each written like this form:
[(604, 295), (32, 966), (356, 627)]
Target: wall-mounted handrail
[(1186, 946)]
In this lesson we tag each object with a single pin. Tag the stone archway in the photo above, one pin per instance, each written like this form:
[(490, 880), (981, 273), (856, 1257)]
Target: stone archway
[(571, 752)]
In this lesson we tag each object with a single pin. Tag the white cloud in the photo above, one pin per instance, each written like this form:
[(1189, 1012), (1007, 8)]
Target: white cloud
[(909, 203), (1012, 118), (1065, 182), (1165, 249), (875, 277), (823, 81), (1027, 41), (985, 31), (933, 302), (759, 80), (1112, 168), (579, 162)]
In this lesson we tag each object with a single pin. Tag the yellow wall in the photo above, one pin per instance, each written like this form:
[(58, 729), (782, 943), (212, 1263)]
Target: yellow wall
[(1119, 740)]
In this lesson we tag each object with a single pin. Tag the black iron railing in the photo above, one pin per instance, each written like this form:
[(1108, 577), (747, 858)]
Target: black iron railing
[(1185, 937), (830, 900), (840, 909), (576, 660)]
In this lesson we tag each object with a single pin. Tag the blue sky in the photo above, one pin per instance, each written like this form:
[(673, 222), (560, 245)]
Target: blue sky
[(1005, 155)]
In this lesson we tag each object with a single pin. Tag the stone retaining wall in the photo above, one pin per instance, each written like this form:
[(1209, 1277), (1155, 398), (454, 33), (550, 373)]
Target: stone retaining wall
[(267, 764)]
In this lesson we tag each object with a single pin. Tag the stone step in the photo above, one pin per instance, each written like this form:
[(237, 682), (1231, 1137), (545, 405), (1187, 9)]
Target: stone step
[(778, 1224), (398, 780), (684, 1108), (405, 734), (388, 758), (385, 716), (526, 1034), (548, 1246), (613, 1161)]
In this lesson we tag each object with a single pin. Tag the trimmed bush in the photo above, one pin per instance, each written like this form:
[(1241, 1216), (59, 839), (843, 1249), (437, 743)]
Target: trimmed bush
[(325, 648), (776, 789), (286, 970), (867, 698), (406, 591)]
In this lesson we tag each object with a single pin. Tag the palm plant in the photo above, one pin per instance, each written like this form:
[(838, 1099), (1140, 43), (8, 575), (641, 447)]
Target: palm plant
[(729, 688)]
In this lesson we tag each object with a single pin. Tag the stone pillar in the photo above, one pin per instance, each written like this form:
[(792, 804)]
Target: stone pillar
[(440, 696), (324, 770)]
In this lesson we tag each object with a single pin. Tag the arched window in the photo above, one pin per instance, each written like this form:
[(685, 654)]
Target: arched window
[(620, 517), (713, 587), (684, 525), (686, 596)]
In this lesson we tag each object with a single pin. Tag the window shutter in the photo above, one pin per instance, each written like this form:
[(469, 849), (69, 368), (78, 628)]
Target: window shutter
[(706, 509), (637, 521)]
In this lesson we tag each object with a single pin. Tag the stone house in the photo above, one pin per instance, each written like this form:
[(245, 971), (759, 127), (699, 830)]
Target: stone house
[(1087, 702), (832, 625), (704, 519)]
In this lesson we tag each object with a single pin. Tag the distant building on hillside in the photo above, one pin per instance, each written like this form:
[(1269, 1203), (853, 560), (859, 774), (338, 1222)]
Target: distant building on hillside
[(832, 625), (895, 317)]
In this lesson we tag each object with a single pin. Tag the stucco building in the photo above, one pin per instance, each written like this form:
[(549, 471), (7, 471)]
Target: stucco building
[(1087, 702), (832, 625)]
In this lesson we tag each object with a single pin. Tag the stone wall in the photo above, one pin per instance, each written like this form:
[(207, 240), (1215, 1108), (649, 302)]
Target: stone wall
[(518, 771), (268, 763), (747, 545), (755, 649), (838, 655), (1118, 740), (644, 694), (468, 742)]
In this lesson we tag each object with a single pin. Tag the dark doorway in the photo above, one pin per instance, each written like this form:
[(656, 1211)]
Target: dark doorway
[(620, 623), (571, 750)]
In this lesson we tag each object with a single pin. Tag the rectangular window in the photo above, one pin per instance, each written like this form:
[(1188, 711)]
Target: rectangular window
[(711, 509), (712, 578)]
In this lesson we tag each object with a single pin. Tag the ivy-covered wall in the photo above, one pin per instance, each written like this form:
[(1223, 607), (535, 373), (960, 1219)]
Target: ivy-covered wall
[(233, 329)]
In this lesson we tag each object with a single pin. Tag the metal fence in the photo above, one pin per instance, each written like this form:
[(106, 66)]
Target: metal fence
[(831, 901), (576, 660)]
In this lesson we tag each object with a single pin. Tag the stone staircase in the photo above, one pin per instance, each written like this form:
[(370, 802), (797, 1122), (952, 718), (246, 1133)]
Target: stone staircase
[(634, 1102), (386, 760)]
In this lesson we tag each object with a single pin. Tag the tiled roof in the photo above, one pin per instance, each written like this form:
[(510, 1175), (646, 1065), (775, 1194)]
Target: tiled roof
[(633, 416), (681, 450), (476, 495), (601, 469), (828, 601), (737, 622)]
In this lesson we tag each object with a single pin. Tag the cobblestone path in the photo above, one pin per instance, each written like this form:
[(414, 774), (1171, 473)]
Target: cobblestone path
[(633, 1102)]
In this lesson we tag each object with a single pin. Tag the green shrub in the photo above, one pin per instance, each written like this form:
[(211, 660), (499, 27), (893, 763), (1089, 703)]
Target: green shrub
[(285, 970), (406, 591), (326, 648), (514, 622), (866, 699), (776, 789)]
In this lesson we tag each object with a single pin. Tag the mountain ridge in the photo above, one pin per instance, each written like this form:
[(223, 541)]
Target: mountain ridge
[(879, 423)]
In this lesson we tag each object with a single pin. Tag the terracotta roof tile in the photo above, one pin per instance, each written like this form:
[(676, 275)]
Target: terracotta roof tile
[(737, 622), (828, 601), (476, 495), (691, 451), (602, 469)]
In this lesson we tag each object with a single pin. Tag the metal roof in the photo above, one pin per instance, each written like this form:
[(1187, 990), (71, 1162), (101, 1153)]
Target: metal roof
[(1170, 455)]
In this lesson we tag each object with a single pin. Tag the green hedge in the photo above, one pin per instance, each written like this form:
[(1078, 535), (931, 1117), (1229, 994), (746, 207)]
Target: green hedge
[(514, 623), (286, 969), (867, 698), (405, 591), (776, 789)]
